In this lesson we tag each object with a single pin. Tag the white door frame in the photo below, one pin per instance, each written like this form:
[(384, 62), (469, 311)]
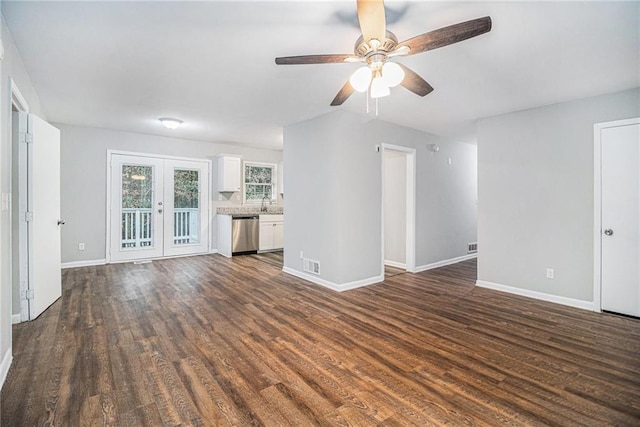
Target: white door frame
[(597, 205), (206, 197), (19, 102), (410, 208)]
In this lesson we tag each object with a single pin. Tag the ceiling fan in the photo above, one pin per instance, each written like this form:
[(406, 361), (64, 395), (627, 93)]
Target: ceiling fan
[(377, 45)]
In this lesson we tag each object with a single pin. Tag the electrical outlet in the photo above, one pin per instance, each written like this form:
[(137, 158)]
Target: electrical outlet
[(301, 255), (550, 273), (81, 246)]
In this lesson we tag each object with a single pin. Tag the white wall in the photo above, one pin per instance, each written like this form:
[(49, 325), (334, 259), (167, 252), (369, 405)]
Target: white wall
[(333, 177), (84, 180), (311, 154), (395, 207), (535, 172), (12, 68)]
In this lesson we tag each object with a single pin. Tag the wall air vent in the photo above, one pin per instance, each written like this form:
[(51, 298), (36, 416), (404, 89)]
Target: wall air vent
[(472, 248), (311, 266)]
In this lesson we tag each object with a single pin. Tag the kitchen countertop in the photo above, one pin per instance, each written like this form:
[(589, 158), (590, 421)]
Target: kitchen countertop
[(274, 210)]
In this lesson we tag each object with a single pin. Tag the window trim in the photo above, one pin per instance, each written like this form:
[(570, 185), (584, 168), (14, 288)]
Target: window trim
[(274, 181)]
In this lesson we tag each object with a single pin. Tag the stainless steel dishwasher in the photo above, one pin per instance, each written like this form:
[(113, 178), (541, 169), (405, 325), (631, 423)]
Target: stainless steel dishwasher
[(245, 234)]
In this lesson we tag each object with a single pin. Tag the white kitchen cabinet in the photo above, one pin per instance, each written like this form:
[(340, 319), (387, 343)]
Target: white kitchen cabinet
[(224, 235), (229, 173), (271, 232)]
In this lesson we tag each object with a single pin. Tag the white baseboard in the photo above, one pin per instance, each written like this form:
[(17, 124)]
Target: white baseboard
[(444, 262), (586, 305), (213, 251), (333, 286), (85, 263), (395, 264), (15, 318), (4, 367)]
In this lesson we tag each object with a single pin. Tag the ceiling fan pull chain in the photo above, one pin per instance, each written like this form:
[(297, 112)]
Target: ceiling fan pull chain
[(367, 100)]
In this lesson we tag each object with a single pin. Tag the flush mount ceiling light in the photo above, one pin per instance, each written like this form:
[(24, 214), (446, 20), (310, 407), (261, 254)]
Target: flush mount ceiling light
[(170, 123)]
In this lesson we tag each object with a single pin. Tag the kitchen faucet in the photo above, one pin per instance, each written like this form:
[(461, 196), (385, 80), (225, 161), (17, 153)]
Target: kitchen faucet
[(263, 207)]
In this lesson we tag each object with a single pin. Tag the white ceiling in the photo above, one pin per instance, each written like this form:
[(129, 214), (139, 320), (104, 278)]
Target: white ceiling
[(122, 65)]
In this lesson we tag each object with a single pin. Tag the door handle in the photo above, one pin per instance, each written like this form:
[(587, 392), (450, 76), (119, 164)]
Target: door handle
[(159, 210), (608, 232), (61, 222)]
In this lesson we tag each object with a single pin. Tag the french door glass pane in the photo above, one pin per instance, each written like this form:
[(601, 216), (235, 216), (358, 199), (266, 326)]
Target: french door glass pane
[(186, 212), (137, 206)]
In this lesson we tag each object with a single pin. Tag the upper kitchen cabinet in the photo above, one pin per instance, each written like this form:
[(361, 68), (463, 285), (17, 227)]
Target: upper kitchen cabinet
[(229, 173)]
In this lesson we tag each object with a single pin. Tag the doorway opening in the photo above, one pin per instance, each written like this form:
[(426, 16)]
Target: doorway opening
[(19, 231), (158, 207), (398, 209), (35, 212)]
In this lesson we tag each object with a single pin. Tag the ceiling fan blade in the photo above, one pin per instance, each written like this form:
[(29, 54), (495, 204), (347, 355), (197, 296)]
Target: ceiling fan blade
[(316, 59), (448, 35), (372, 19), (346, 91), (414, 82)]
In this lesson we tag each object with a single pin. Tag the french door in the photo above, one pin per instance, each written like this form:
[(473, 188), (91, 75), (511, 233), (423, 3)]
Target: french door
[(159, 207)]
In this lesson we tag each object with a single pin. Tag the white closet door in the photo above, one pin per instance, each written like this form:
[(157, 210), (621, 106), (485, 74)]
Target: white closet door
[(620, 236)]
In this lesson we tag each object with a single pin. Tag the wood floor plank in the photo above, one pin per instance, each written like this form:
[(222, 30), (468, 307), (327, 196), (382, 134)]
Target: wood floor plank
[(232, 342)]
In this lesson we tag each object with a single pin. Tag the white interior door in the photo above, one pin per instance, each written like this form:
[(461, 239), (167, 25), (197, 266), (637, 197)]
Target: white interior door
[(620, 238), (136, 208), (43, 204), (186, 195), (159, 207)]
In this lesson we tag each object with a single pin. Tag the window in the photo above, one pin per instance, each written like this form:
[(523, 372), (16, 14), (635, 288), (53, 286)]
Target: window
[(259, 181)]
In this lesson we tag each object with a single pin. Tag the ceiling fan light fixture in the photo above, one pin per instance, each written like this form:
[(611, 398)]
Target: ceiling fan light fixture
[(361, 78), (170, 123), (379, 87), (392, 73)]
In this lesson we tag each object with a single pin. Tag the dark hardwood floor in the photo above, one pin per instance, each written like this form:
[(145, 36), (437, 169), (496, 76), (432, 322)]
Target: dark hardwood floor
[(213, 341)]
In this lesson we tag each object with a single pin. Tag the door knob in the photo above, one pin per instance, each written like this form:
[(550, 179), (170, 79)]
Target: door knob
[(608, 232), (61, 222)]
